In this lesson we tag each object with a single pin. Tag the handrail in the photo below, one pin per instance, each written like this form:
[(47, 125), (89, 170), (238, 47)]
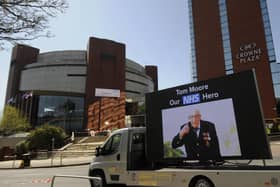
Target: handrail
[(97, 181)]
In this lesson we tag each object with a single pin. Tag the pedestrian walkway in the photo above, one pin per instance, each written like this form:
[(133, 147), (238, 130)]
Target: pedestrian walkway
[(81, 160), (56, 162), (78, 153)]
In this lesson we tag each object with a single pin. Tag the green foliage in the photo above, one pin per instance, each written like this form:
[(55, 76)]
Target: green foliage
[(170, 152), (13, 122), (1, 114), (41, 137), (141, 108), (268, 131), (21, 147)]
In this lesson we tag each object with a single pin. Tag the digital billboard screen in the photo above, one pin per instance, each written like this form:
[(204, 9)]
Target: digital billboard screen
[(209, 120)]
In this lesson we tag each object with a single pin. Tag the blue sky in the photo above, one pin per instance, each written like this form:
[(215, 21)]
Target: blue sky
[(155, 33)]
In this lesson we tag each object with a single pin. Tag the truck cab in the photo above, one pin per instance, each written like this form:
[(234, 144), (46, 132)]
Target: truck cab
[(123, 151), (122, 161)]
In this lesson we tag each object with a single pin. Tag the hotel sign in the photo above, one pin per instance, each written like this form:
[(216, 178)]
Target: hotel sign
[(101, 92), (248, 53)]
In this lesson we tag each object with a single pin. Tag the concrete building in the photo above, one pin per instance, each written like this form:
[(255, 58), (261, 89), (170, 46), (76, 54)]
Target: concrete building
[(97, 88), (229, 36)]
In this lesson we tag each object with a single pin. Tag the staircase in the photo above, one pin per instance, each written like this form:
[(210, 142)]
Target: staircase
[(85, 147)]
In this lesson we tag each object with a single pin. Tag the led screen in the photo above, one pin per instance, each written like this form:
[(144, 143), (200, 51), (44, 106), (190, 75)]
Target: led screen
[(224, 126), (209, 120)]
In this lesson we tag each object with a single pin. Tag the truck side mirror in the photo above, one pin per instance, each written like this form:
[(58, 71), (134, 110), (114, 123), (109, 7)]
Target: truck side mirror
[(98, 150)]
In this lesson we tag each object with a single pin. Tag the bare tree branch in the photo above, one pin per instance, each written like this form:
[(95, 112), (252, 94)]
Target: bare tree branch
[(22, 20)]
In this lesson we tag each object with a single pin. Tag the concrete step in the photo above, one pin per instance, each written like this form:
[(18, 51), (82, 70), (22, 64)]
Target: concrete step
[(79, 149), (70, 154), (84, 146), (92, 139)]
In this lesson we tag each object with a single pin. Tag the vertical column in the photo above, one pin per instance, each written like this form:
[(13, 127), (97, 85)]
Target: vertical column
[(249, 48), (208, 39), (106, 70), (153, 73), (21, 56)]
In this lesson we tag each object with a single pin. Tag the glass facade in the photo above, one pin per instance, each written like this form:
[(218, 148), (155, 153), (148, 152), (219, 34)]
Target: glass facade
[(193, 57), (275, 72), (275, 67), (267, 30), (225, 37), (64, 111)]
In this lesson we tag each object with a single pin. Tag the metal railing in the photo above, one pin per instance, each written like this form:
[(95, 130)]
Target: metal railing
[(49, 159), (95, 181), (59, 158)]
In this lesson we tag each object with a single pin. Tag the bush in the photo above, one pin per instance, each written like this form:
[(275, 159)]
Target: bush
[(21, 148), (41, 137)]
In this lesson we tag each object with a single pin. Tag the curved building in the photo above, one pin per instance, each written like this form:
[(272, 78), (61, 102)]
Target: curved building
[(78, 89)]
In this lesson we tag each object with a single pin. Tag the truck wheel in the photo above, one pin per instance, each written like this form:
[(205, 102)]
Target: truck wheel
[(101, 175), (202, 182)]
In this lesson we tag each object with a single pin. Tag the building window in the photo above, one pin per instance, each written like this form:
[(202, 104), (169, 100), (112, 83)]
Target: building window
[(64, 111), (267, 30)]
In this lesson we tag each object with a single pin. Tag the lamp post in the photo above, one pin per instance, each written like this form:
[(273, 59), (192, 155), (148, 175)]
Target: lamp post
[(99, 116), (69, 120), (53, 139)]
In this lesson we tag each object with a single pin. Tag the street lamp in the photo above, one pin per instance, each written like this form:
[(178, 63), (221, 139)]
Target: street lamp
[(53, 139)]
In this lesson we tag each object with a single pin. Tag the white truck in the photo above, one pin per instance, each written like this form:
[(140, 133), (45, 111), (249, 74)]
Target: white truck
[(192, 133), (121, 160)]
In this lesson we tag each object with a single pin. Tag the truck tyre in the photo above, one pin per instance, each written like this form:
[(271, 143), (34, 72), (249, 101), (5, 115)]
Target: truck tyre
[(201, 182), (101, 175)]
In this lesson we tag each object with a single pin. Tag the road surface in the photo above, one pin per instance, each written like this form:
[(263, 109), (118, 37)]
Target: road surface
[(41, 177)]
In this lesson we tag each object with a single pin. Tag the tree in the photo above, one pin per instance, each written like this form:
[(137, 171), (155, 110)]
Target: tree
[(22, 20), (13, 122)]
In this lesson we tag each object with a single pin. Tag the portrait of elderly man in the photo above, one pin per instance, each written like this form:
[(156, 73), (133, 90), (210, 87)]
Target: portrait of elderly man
[(199, 138)]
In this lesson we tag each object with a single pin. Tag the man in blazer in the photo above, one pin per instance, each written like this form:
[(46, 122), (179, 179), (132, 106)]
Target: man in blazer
[(199, 137)]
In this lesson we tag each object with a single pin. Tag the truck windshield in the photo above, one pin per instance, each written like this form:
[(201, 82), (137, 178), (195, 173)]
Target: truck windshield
[(112, 144)]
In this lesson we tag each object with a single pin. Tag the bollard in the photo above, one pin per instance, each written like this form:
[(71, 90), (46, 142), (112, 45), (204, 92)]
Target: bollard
[(14, 160), (52, 158), (61, 158), (26, 159), (21, 164)]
